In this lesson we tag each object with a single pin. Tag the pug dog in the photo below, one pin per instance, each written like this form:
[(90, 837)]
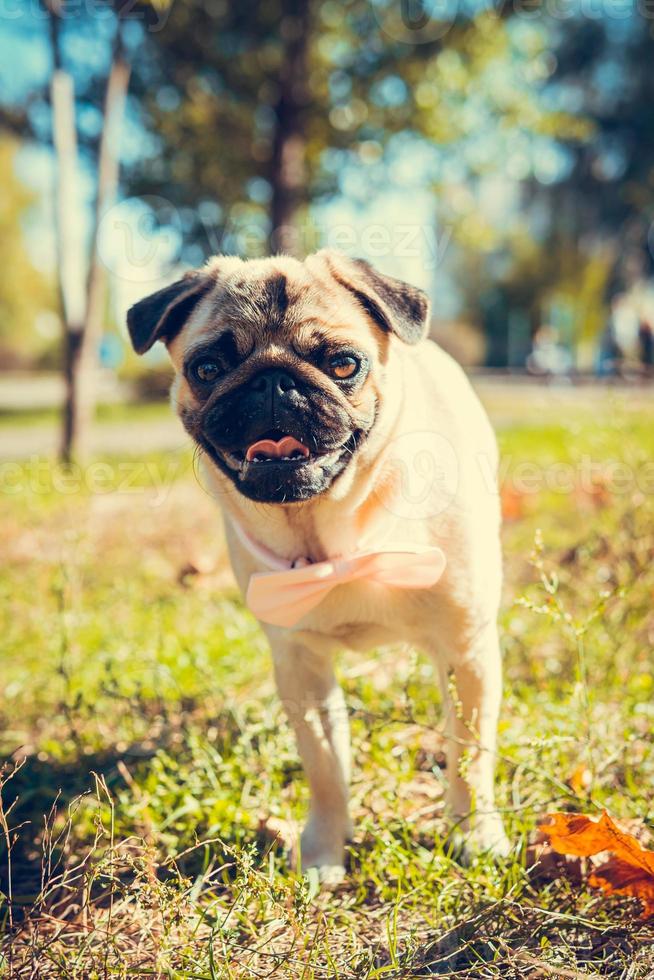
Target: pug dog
[(329, 427)]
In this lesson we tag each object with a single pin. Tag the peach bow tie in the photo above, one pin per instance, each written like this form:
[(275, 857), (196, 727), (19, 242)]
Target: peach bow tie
[(282, 598)]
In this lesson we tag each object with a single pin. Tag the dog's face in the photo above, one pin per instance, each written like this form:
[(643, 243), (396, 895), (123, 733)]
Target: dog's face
[(280, 363)]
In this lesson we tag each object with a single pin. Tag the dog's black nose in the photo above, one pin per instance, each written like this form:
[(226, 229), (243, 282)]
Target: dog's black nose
[(275, 381)]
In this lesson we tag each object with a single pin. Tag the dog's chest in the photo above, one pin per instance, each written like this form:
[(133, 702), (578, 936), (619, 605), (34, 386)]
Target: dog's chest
[(362, 615)]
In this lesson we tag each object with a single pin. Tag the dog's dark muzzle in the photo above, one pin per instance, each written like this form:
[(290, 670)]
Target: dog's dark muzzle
[(272, 402), (278, 437)]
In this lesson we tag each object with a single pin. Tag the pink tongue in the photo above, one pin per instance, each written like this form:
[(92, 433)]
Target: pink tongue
[(275, 450)]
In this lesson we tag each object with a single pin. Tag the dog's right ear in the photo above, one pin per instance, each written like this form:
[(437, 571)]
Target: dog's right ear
[(163, 314), (396, 306)]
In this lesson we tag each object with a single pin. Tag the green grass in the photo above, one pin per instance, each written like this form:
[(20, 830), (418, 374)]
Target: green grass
[(109, 412), (158, 768)]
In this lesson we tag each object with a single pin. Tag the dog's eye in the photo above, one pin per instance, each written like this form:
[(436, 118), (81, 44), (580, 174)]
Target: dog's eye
[(343, 366), (206, 371)]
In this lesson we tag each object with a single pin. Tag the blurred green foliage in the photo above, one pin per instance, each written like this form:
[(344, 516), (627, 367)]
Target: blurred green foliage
[(215, 97), (24, 291), (244, 118)]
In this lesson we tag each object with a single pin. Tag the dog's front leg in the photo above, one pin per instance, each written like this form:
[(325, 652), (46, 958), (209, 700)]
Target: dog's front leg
[(471, 681), (315, 706)]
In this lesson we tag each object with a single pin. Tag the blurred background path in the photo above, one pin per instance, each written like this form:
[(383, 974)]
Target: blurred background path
[(29, 421)]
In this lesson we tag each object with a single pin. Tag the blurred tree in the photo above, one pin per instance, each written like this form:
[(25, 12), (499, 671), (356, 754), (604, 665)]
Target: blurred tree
[(606, 67), (82, 309), (24, 291), (257, 109), (225, 94), (243, 115), (79, 115), (556, 284), (596, 239)]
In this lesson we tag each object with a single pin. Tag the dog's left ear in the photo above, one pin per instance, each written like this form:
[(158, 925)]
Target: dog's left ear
[(395, 305), (163, 314)]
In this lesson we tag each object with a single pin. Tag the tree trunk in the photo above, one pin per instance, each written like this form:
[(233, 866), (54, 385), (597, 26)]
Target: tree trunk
[(287, 165), (70, 256), (82, 307), (81, 348)]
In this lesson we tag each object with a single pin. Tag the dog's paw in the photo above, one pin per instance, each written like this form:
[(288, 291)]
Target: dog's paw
[(498, 848), (489, 838), (322, 846), (328, 876), (482, 841)]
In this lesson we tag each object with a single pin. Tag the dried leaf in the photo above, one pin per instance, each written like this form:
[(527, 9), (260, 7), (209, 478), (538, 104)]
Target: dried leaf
[(581, 780), (630, 869), (513, 503), (595, 494), (278, 830), (546, 865), (618, 877)]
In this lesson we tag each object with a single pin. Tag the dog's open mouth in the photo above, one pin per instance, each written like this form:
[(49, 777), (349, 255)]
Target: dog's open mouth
[(286, 449), (272, 449), (280, 468)]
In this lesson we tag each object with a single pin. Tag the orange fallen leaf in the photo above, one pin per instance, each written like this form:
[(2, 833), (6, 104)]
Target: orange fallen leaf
[(630, 869), (596, 494), (513, 503), (581, 780), (278, 830), (545, 865)]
